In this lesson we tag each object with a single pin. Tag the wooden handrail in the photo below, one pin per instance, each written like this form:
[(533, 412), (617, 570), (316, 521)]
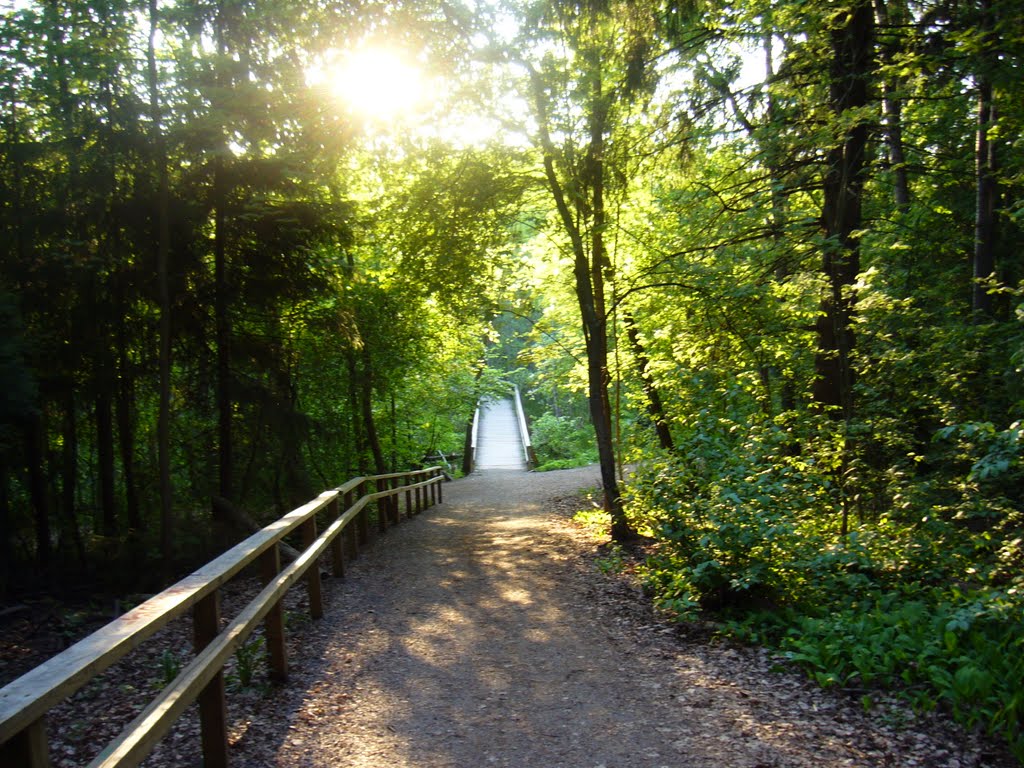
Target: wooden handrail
[(25, 702)]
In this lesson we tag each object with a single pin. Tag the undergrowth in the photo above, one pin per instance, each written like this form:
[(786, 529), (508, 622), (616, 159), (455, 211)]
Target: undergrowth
[(922, 594), (562, 443)]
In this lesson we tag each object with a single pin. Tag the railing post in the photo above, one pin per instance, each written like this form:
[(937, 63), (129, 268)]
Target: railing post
[(433, 488), (351, 530), (440, 488), (273, 625), (392, 509), (28, 748), (396, 516), (337, 556), (213, 714), (382, 505), (408, 495), (313, 586), (364, 519)]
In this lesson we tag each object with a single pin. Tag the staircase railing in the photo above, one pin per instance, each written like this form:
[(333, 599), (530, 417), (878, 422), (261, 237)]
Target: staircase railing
[(524, 432), (473, 440), (25, 702)]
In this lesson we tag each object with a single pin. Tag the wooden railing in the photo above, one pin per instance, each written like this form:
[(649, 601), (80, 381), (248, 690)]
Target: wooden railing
[(25, 702)]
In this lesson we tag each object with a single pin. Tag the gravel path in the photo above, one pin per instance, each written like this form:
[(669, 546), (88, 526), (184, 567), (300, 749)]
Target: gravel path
[(480, 633)]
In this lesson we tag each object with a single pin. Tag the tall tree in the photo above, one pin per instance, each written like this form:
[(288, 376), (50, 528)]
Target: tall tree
[(225, 22), (163, 235), (891, 17), (851, 37), (986, 189), (605, 71)]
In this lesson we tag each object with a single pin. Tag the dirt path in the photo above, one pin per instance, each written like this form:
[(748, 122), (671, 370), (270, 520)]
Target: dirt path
[(481, 634)]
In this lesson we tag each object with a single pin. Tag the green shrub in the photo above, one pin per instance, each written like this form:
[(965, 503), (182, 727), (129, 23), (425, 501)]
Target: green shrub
[(732, 537), (562, 443), (924, 598)]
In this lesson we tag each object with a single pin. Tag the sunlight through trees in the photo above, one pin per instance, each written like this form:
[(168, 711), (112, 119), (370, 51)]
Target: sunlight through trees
[(768, 255)]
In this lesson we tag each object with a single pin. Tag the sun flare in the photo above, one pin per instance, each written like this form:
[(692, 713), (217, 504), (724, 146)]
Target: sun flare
[(377, 83)]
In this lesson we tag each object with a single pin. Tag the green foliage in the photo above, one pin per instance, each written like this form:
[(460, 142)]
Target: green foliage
[(562, 443), (731, 528), (922, 600), (613, 562), (169, 666), (936, 646), (248, 657), (594, 518), (995, 455)]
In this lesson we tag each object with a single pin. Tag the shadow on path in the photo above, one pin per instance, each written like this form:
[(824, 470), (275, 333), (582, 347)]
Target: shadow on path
[(455, 642), (466, 637)]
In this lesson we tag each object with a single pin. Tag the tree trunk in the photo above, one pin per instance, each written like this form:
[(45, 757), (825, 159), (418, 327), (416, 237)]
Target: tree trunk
[(851, 67), (892, 103), (893, 106), (779, 215), (105, 458), (590, 293), (985, 203), (162, 213), (222, 331), (842, 212), (394, 433), (467, 446), (355, 409), (69, 473), (35, 457), (600, 414), (6, 534), (366, 405), (298, 487), (222, 321), (654, 407), (125, 414), (126, 441)]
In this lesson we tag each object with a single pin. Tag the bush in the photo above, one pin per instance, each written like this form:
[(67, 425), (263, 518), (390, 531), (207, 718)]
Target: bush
[(562, 443), (924, 598), (732, 528)]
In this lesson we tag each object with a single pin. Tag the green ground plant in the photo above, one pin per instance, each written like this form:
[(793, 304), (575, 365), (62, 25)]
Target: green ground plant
[(169, 665), (923, 599), (247, 661), (562, 442)]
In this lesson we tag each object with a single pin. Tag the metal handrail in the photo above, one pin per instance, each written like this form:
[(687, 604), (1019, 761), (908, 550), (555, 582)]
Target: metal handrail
[(474, 434), (524, 430)]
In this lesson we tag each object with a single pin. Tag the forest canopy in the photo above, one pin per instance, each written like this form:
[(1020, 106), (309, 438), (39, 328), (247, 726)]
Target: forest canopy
[(767, 255)]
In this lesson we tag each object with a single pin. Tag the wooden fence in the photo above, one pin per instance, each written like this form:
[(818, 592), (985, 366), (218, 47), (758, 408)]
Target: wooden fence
[(25, 702)]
